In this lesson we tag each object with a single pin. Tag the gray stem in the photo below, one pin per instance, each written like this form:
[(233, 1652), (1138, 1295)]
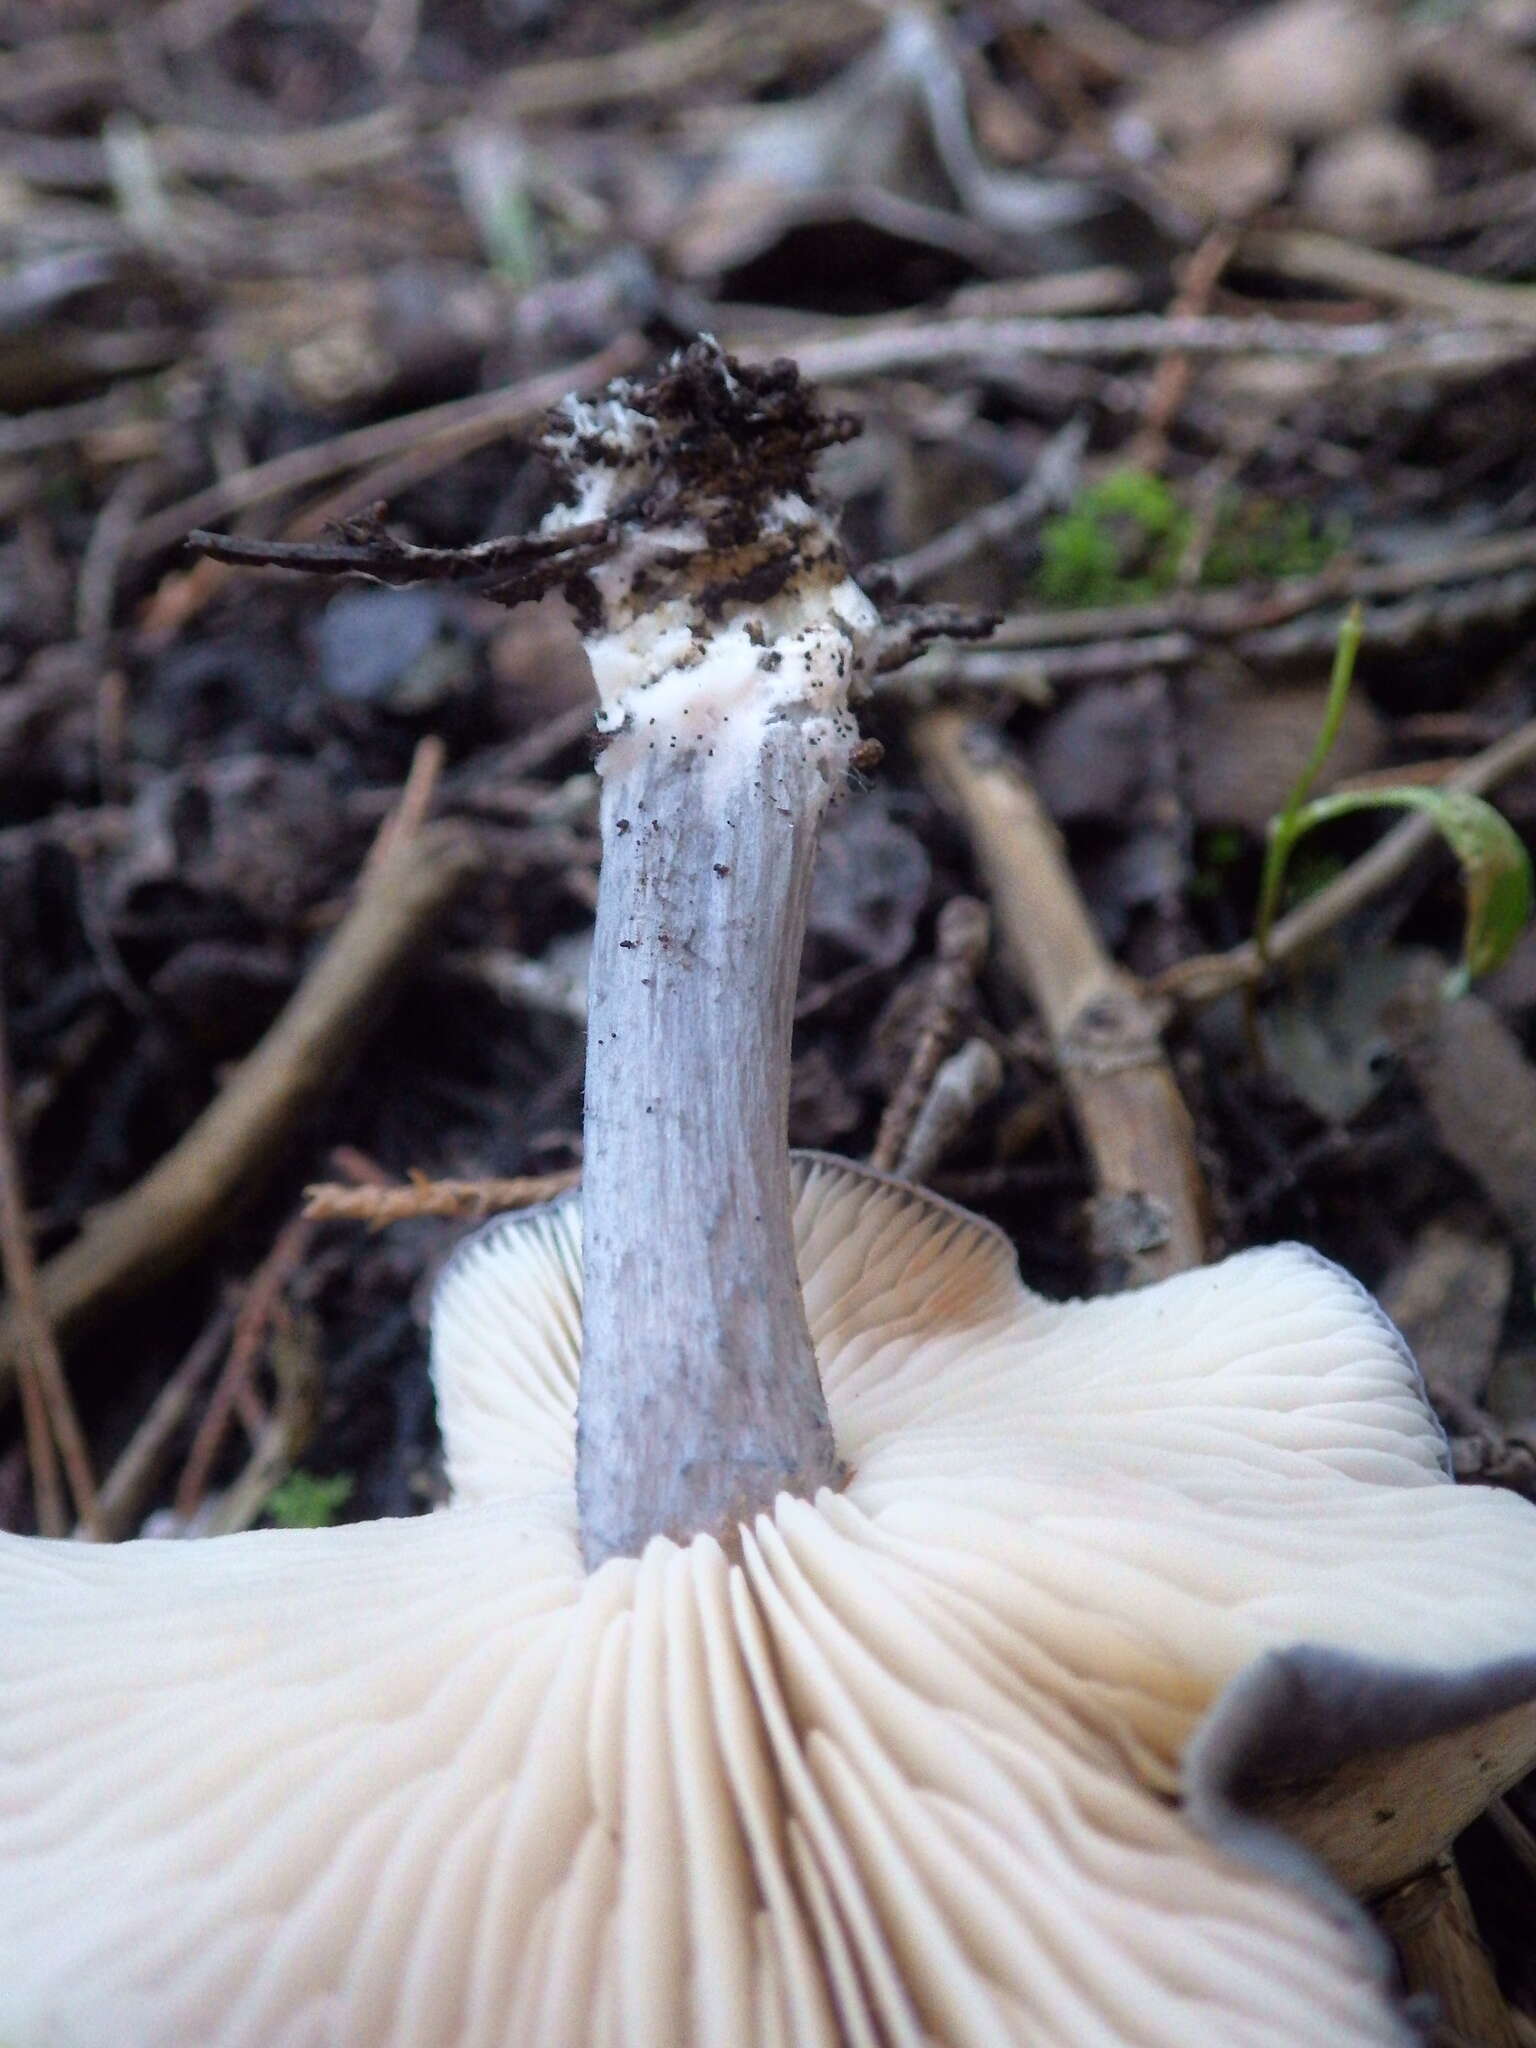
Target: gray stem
[(700, 1400)]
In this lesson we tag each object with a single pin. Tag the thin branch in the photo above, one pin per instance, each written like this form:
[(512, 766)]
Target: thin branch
[(1226, 614), (387, 42), (961, 949), (1035, 675), (54, 426), (459, 425), (974, 344), (739, 42), (1309, 257), (906, 631), (223, 1159), (1431, 1920), (277, 1444), (963, 1083), (126, 1490), (50, 1411), (494, 766), (1208, 976), (96, 585), (1051, 483), (1151, 1202), (1169, 382), (409, 812), (251, 1325), (48, 1501), (518, 565), (1496, 202), (334, 1202)]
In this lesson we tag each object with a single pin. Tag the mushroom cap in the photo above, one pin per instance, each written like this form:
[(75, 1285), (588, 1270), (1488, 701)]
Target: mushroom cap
[(960, 1754)]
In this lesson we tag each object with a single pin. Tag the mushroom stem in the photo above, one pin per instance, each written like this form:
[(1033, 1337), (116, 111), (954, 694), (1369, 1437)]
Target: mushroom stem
[(724, 634), (700, 1400)]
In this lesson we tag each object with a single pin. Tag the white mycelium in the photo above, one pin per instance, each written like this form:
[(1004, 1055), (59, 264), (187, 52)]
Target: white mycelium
[(671, 665)]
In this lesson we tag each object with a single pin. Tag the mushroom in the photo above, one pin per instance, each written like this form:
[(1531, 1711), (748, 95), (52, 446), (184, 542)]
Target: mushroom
[(829, 1640)]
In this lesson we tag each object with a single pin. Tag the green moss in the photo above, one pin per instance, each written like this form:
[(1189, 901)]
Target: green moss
[(1259, 540), (306, 1501), (1123, 540)]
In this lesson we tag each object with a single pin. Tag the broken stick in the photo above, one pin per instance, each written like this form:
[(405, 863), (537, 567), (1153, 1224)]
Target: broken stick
[(223, 1159), (1150, 1200)]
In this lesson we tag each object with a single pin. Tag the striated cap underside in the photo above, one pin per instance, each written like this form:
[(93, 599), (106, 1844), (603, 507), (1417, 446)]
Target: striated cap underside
[(957, 1755)]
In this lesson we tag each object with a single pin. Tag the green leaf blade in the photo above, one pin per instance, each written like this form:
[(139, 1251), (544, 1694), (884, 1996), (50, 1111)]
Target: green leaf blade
[(1495, 866)]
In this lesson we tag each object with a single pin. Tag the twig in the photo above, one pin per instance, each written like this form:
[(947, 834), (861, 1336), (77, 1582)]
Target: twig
[(735, 41), (183, 26), (366, 548), (1226, 614), (1515, 1835), (1478, 1087), (379, 483), (409, 814), (1170, 377), (1051, 484), (333, 1202), (50, 1412), (255, 1314), (1483, 1452), (983, 343), (1208, 976), (1102, 289), (1036, 675), (1107, 44), (1150, 1206), (126, 1490), (82, 62), (659, 64), (961, 948), (221, 1162), (53, 426), (299, 1373), (42, 1457), (459, 425), (522, 757), (966, 1080), (1308, 257), (1430, 1919), (907, 630), (1217, 479), (48, 1503), (80, 164), (1436, 618), (96, 586)]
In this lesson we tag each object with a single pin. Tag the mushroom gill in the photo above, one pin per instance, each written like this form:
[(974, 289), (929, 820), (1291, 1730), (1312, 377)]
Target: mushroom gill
[(909, 1770)]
